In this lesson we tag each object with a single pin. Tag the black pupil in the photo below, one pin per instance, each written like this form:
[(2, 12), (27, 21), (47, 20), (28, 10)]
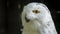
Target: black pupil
[(36, 11)]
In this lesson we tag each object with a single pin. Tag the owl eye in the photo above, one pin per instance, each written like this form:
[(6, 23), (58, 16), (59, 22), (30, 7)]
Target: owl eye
[(36, 11)]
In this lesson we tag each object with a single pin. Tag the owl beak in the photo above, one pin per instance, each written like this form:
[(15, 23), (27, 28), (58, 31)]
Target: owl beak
[(27, 20)]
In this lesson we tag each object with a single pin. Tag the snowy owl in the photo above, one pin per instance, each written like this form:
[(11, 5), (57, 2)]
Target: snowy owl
[(36, 19)]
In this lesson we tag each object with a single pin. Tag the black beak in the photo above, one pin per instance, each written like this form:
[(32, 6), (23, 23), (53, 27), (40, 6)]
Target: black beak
[(27, 20)]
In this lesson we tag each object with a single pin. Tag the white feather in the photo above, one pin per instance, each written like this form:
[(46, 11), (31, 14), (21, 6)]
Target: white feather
[(40, 23)]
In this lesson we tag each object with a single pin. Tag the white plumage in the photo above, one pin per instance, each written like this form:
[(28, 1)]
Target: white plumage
[(36, 19)]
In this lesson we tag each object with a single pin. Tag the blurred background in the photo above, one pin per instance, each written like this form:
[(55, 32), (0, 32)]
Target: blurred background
[(10, 11)]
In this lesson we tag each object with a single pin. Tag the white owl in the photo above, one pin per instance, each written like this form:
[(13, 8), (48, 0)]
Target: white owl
[(36, 19)]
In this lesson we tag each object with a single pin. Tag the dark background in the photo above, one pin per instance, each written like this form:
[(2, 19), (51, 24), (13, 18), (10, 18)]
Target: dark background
[(10, 11)]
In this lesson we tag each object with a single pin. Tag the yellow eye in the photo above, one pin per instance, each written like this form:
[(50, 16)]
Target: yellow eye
[(36, 11)]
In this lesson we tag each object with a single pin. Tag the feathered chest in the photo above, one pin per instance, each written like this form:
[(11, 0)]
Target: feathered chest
[(32, 26)]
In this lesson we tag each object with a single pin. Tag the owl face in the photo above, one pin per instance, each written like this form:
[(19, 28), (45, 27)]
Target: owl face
[(35, 11)]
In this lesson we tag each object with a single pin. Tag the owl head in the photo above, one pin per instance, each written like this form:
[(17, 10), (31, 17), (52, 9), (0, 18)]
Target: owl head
[(35, 11)]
